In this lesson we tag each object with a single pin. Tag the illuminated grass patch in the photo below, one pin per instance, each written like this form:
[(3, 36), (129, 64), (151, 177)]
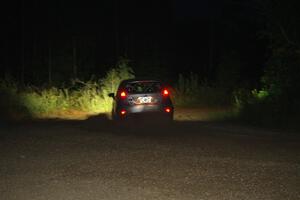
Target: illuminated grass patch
[(88, 97)]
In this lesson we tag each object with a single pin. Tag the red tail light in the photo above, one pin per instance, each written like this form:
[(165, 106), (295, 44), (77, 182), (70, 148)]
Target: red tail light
[(123, 94), (166, 92), (168, 110), (123, 112)]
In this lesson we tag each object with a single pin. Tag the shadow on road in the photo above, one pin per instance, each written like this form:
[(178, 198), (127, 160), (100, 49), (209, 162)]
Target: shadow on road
[(147, 126), (142, 125)]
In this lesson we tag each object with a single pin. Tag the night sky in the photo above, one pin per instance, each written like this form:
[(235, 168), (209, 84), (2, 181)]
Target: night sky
[(158, 37)]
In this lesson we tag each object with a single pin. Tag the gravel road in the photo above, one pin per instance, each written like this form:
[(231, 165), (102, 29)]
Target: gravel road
[(98, 159)]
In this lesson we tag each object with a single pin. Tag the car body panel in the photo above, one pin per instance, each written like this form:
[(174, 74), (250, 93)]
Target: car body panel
[(149, 99)]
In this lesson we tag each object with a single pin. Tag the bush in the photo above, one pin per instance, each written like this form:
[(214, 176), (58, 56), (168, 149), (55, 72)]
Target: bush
[(189, 91), (110, 83), (277, 103), (260, 108), (90, 96), (11, 105), (43, 101)]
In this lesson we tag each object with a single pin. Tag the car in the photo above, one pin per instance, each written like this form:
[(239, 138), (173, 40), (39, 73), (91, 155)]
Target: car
[(142, 97)]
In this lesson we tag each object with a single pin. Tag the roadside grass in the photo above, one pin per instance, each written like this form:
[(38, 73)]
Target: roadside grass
[(77, 100), (190, 91), (193, 100), (11, 104), (204, 114)]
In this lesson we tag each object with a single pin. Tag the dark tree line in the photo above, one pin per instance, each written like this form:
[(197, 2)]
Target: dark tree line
[(229, 42)]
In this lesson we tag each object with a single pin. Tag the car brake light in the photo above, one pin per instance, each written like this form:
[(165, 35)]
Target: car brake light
[(168, 110), (165, 92), (123, 94), (123, 112)]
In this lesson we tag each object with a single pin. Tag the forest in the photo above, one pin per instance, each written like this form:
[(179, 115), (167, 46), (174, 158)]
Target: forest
[(60, 57)]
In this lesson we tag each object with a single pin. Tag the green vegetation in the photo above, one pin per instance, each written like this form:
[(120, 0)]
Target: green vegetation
[(11, 104), (89, 96), (274, 105), (190, 91), (92, 96)]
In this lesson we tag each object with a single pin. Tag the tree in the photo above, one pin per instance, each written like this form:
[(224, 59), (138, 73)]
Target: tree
[(282, 71), (283, 32)]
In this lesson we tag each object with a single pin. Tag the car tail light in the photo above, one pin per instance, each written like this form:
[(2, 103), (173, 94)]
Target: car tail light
[(168, 110), (123, 94), (166, 92), (123, 112)]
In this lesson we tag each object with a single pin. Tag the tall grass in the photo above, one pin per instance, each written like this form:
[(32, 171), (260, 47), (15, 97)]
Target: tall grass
[(11, 105), (110, 83), (43, 100), (88, 96), (190, 91), (261, 108), (92, 96)]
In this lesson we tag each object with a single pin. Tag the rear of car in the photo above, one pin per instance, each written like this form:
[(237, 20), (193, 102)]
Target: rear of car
[(142, 97)]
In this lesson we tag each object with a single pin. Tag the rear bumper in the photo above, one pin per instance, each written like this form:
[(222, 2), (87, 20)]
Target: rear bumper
[(143, 108), (147, 110)]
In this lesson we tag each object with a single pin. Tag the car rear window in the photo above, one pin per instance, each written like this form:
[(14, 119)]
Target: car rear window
[(143, 87)]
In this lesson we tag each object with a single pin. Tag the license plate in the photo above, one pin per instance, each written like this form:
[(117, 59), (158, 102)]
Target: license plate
[(142, 100)]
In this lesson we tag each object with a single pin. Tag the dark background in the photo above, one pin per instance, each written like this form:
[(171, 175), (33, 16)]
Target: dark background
[(160, 38), (245, 51)]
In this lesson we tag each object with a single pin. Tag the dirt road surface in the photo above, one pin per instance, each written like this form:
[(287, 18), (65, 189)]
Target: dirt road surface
[(97, 159)]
